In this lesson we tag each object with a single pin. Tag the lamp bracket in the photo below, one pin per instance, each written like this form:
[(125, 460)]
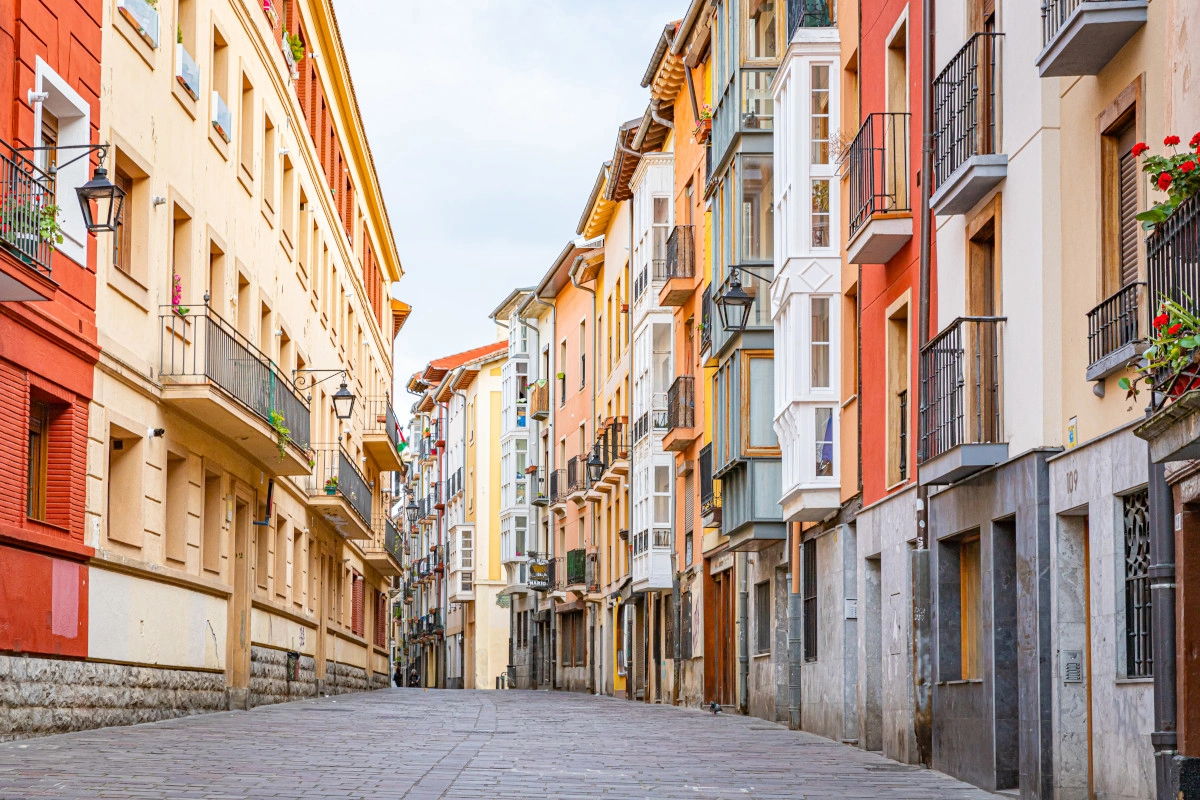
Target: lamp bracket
[(751, 271), (88, 149), (304, 378)]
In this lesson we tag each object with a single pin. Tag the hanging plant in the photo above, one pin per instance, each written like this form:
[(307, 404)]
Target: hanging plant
[(177, 297), (296, 45), (1174, 342), (1175, 174), (281, 430)]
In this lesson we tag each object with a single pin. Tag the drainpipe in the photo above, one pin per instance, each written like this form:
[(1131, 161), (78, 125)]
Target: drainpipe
[(795, 654), (1162, 608), (591, 679), (655, 116), (921, 597), (743, 633)]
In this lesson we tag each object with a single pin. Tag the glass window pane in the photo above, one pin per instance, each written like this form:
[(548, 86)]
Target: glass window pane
[(820, 342), (762, 34), (824, 440), (758, 106), (820, 213), (820, 114), (757, 218), (762, 403)]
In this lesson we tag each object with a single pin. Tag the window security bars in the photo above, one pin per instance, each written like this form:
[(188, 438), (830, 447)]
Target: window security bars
[(960, 386), (809, 597), (201, 347), (964, 106), (903, 437), (878, 163), (1139, 655), (1114, 323)]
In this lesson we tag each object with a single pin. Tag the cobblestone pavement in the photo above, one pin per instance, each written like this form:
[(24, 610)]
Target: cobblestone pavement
[(409, 743)]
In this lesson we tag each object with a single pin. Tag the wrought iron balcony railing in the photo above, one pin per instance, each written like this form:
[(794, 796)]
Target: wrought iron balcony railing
[(681, 255), (576, 474), (1173, 268), (27, 210), (539, 400), (706, 319), (961, 386), (964, 105), (558, 486), (809, 14), (1114, 323), (381, 418), (709, 501), (878, 164), (334, 473), (539, 491), (199, 347), (681, 403)]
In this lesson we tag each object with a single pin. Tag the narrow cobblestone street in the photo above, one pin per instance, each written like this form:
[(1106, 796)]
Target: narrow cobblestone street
[(447, 744)]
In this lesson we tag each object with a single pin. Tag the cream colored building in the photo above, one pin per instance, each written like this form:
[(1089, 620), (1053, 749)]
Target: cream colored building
[(239, 525)]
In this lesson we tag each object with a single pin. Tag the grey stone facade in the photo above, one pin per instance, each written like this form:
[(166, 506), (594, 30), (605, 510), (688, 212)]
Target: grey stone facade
[(829, 704), (41, 696), (768, 678), (269, 681), (993, 729)]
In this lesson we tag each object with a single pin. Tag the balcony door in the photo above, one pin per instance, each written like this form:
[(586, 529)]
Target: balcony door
[(981, 364)]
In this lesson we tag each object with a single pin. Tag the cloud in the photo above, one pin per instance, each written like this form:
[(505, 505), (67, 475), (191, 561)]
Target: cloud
[(488, 120)]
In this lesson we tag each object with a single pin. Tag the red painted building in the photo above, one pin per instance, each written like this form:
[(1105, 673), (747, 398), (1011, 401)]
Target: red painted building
[(48, 346)]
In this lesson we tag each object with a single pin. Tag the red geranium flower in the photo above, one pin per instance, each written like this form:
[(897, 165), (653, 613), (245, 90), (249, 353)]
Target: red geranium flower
[(1164, 180), (1175, 329), (1187, 166), (1142, 147), (1160, 320), (1195, 142), (1171, 141)]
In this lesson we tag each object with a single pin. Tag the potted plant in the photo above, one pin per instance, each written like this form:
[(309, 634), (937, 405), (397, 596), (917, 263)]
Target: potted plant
[(703, 127), (295, 46), (331, 485), (1172, 361), (561, 376), (25, 224), (181, 310), (1175, 174)]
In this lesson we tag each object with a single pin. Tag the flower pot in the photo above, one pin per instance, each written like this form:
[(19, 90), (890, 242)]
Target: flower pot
[(381, 418), (703, 130), (331, 490)]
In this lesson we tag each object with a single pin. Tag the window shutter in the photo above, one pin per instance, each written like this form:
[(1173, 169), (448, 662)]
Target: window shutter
[(356, 607), (1127, 173)]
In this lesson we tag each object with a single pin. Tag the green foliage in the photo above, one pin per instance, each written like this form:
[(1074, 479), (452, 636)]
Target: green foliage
[(1176, 174), (285, 435), (296, 45), (1174, 340)]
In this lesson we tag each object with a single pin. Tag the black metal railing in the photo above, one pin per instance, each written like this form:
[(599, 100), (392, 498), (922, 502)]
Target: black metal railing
[(708, 496), (611, 445), (960, 386), (1173, 258), (809, 14), (436, 498), (964, 106), (200, 347), (381, 418), (576, 474), (576, 567), (903, 434), (640, 281), (334, 473), (28, 213), (658, 270), (591, 571), (1114, 323), (1055, 14), (454, 483), (539, 491), (681, 403), (641, 426), (558, 486), (681, 254), (878, 164), (706, 319)]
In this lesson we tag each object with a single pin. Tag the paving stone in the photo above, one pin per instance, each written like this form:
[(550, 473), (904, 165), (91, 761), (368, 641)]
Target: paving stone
[(418, 745)]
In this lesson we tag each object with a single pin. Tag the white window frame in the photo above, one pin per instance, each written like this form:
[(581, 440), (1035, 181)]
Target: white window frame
[(74, 128)]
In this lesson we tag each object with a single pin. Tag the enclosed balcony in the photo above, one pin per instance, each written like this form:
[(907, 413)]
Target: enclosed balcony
[(1173, 268), (681, 415), (966, 139), (340, 493), (750, 513), (652, 561), (1115, 336), (381, 434), (213, 374), (680, 269), (539, 400), (1080, 37), (961, 386), (27, 211), (385, 549), (881, 220)]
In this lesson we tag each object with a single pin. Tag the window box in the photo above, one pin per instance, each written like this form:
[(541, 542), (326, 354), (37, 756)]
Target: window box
[(187, 72), (222, 118), (142, 16)]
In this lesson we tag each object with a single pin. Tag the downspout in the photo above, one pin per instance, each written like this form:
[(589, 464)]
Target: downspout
[(654, 116), (921, 586), (795, 662), (468, 653), (1164, 738), (552, 644), (591, 675)]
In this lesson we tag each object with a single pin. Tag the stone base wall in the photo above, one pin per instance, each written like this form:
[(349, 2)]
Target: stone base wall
[(268, 677), (380, 680), (43, 696), (344, 678)]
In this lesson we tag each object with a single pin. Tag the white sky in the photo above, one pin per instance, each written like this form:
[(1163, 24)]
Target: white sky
[(488, 121)]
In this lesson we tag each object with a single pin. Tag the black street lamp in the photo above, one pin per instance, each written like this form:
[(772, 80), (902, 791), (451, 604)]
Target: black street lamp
[(343, 402), (343, 399), (101, 201), (734, 303), (413, 510), (595, 466)]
